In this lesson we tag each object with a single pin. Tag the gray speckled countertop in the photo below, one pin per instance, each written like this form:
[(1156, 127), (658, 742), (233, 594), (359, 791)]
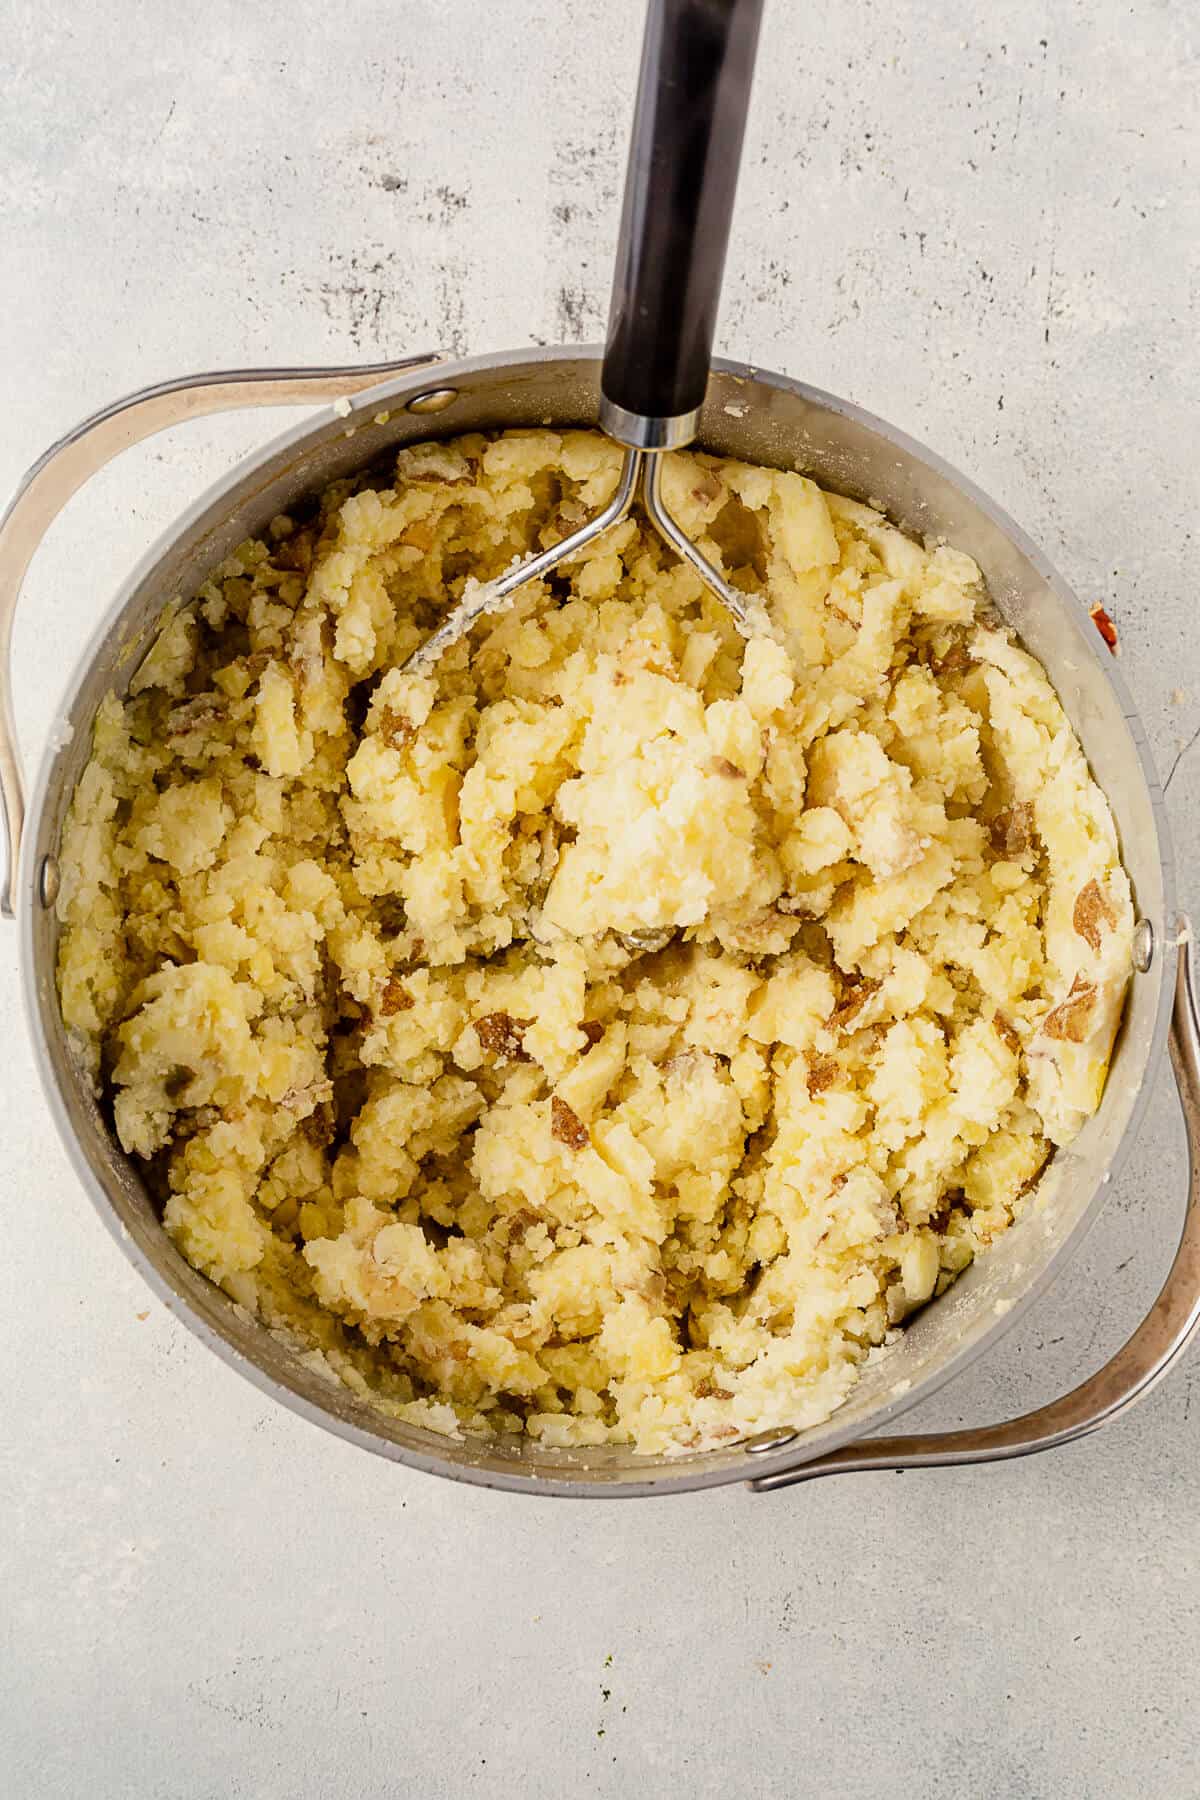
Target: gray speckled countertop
[(980, 222)]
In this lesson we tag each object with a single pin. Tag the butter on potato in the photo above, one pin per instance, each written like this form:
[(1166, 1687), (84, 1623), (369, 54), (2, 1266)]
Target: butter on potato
[(613, 1036)]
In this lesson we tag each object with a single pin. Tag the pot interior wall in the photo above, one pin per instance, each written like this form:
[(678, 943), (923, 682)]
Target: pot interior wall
[(764, 419)]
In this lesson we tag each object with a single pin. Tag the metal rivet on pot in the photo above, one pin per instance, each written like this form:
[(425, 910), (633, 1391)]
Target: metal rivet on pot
[(774, 1439), (1143, 945), (48, 881), (434, 400)]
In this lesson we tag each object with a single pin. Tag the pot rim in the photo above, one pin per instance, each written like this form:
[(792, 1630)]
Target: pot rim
[(742, 1462)]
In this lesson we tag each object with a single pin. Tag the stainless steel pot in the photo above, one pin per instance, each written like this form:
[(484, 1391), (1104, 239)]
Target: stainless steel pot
[(764, 418)]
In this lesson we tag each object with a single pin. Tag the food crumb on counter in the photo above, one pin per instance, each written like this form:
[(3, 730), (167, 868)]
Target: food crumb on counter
[(1103, 622)]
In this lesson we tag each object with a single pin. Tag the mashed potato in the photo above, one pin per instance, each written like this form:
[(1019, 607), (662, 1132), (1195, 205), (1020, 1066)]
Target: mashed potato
[(614, 1036)]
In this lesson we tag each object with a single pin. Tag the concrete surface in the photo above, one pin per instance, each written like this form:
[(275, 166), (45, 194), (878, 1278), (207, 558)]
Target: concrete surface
[(980, 222)]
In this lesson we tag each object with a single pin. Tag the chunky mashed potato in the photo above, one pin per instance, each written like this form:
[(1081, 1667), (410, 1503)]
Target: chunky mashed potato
[(614, 1036)]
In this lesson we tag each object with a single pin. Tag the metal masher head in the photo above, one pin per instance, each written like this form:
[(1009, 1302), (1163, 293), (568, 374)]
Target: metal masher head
[(690, 118), (639, 471)]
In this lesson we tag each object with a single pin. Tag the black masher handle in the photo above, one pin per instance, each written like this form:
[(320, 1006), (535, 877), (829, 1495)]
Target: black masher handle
[(693, 94)]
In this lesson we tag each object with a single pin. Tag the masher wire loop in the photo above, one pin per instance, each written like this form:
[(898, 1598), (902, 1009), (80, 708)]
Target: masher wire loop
[(638, 470)]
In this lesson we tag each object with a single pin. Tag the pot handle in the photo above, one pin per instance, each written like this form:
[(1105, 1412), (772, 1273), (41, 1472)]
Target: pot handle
[(1172, 1323), (68, 464)]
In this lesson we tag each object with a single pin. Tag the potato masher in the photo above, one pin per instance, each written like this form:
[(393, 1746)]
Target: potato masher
[(690, 118)]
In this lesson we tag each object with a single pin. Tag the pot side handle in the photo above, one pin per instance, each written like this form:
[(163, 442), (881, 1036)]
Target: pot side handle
[(68, 464), (1172, 1323)]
